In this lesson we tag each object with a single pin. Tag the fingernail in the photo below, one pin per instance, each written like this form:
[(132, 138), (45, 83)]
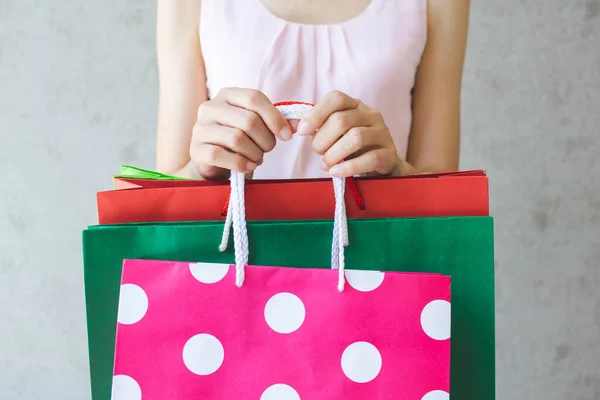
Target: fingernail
[(286, 133), (324, 166), (335, 171), (250, 166), (304, 128)]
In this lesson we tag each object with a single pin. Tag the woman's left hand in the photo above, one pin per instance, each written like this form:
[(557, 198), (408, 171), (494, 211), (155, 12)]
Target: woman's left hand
[(351, 136)]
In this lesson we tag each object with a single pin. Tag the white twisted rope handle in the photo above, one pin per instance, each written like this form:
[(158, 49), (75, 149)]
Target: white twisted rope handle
[(236, 215)]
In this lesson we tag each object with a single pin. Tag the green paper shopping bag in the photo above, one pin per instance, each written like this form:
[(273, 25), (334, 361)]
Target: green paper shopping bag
[(461, 247)]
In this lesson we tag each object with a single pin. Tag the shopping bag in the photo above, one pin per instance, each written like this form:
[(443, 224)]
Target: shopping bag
[(459, 247), (164, 201), (186, 332)]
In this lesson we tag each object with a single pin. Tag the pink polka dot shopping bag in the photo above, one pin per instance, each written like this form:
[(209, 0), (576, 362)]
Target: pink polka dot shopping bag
[(186, 331)]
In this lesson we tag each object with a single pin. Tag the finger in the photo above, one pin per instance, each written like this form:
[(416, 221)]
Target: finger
[(232, 139), (247, 122), (355, 141), (333, 102), (336, 126), (294, 124), (208, 155), (243, 120), (381, 161), (257, 102)]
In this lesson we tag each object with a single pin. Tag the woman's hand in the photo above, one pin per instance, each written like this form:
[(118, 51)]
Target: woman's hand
[(352, 137), (233, 131)]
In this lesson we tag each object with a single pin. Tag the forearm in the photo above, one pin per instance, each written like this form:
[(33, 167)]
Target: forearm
[(181, 84), (434, 143)]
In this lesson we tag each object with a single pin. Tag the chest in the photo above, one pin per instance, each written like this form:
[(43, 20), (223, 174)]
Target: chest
[(373, 52)]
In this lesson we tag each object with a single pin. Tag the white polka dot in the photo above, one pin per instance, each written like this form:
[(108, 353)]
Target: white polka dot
[(125, 388), (436, 395), (435, 319), (280, 392), (364, 281), (133, 304), (209, 272), (361, 362), (203, 354), (284, 312)]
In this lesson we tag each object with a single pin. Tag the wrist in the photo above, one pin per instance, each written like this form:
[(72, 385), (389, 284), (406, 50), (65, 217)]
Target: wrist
[(190, 171), (403, 168)]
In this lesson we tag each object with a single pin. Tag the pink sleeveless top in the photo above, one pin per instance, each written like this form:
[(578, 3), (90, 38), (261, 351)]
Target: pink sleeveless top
[(372, 57)]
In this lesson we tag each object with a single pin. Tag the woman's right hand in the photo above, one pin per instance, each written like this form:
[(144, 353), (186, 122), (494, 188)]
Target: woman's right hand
[(233, 131)]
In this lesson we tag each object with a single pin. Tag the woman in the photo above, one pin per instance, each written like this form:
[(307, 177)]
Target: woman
[(384, 75)]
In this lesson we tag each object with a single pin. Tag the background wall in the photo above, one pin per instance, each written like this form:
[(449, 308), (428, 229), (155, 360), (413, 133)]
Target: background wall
[(78, 98)]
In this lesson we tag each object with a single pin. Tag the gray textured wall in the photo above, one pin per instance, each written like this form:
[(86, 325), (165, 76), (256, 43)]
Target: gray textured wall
[(78, 98)]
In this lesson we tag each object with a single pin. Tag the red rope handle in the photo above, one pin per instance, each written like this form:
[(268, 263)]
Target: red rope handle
[(291, 103), (225, 206), (358, 199), (351, 184)]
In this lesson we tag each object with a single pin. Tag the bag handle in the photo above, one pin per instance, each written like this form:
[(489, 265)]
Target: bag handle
[(236, 213), (296, 110)]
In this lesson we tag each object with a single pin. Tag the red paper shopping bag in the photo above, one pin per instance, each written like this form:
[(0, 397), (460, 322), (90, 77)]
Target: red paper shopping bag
[(459, 194), (186, 332)]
